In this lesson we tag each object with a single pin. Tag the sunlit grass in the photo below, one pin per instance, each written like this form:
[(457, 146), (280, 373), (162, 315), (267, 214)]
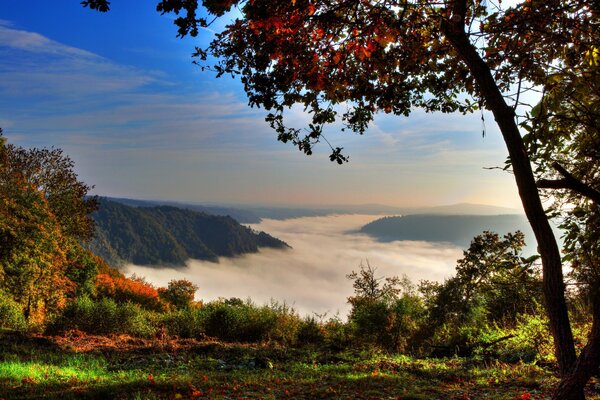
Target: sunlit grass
[(28, 372)]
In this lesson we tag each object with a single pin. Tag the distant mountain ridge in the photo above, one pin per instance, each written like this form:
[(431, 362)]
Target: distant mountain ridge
[(167, 235), (252, 214), (456, 229), (453, 209), (464, 209)]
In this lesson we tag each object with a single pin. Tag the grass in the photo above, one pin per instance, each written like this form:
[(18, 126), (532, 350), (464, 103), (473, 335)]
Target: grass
[(90, 367)]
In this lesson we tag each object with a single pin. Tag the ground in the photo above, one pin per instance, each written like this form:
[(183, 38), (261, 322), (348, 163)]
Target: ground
[(80, 366)]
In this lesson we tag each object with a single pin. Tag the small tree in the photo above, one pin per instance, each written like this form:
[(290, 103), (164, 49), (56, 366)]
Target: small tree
[(33, 258), (493, 284), (180, 293), (385, 311), (369, 287)]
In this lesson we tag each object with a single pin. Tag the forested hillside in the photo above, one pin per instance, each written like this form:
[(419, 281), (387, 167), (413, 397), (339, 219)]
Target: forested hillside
[(242, 216), (169, 235), (457, 229)]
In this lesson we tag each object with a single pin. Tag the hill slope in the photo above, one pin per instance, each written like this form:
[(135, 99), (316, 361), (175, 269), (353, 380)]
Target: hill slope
[(166, 235), (240, 215), (457, 229)]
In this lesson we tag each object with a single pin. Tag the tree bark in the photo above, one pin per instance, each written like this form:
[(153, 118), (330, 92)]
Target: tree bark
[(588, 362), (553, 283)]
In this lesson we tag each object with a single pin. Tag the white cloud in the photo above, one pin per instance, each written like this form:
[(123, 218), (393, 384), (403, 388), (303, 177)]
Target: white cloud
[(35, 43), (312, 275)]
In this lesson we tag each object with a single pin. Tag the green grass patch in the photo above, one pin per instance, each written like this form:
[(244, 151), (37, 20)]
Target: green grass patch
[(32, 368)]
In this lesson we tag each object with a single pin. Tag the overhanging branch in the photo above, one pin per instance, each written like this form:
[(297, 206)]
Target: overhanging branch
[(569, 182)]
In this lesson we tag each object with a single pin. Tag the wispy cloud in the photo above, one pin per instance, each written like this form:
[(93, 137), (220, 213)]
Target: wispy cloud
[(34, 65), (36, 43)]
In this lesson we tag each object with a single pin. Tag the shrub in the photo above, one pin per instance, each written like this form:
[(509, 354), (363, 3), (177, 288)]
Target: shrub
[(310, 331), (236, 321), (105, 316), (337, 334), (133, 289), (459, 333), (385, 312), (185, 323), (137, 321), (372, 322), (531, 341), (287, 323)]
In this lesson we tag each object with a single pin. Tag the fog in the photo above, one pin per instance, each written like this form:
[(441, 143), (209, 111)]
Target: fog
[(312, 275)]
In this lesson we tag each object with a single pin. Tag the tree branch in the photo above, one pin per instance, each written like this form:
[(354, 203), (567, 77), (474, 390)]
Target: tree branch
[(569, 182)]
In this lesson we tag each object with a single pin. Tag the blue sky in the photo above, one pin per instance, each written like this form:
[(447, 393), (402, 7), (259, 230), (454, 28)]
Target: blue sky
[(118, 92)]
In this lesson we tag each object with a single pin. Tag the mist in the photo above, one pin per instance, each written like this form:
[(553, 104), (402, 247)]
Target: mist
[(311, 276)]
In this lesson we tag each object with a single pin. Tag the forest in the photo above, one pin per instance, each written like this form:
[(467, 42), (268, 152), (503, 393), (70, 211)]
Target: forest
[(504, 326)]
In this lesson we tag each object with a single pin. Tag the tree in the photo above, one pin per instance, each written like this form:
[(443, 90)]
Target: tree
[(51, 173), (369, 287), (32, 260), (385, 311), (564, 138), (493, 285), (180, 293), (395, 55), (41, 260)]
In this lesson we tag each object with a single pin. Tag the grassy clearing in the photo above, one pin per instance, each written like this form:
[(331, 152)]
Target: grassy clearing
[(89, 367)]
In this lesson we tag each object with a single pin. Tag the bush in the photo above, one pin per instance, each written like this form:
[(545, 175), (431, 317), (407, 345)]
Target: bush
[(236, 321), (388, 324), (337, 334), (287, 323), (185, 323), (531, 341), (371, 322), (134, 289), (459, 334), (310, 331), (11, 315), (105, 316)]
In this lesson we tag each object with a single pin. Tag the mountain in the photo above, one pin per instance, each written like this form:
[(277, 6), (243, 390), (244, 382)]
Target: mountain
[(240, 215), (456, 229), (282, 213), (166, 235), (253, 214), (463, 209)]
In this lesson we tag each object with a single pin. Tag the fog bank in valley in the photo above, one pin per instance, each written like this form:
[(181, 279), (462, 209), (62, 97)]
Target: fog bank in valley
[(312, 275)]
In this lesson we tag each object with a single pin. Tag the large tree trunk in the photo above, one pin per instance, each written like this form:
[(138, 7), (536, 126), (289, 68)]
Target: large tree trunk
[(588, 362), (553, 283)]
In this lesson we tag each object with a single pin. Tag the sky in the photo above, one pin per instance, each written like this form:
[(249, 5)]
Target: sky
[(119, 94)]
